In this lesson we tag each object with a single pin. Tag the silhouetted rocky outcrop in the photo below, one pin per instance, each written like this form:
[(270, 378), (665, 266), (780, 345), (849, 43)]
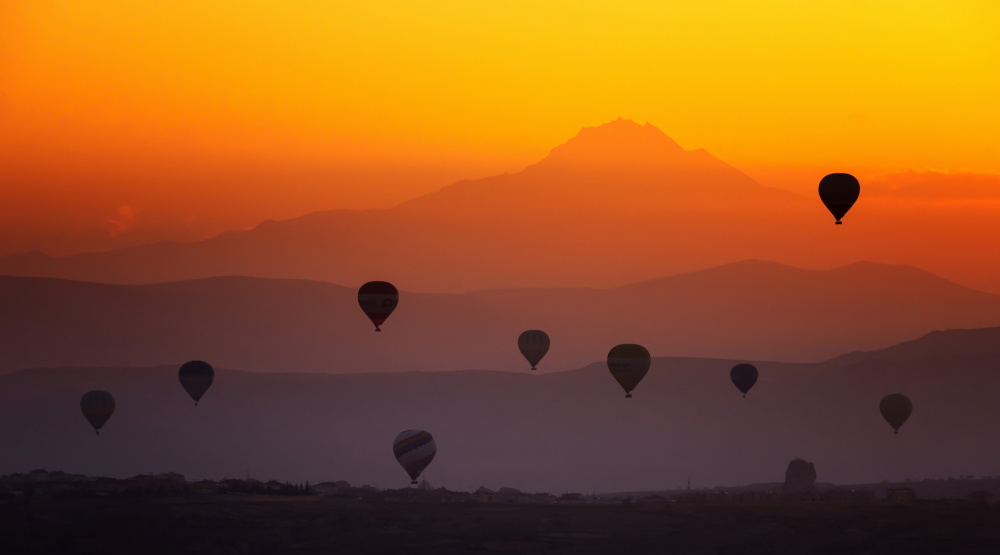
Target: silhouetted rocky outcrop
[(800, 477)]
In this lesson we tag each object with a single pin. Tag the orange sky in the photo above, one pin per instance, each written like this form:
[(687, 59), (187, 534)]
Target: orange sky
[(195, 117)]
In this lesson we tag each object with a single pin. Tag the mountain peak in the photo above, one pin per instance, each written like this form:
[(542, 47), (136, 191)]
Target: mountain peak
[(618, 142)]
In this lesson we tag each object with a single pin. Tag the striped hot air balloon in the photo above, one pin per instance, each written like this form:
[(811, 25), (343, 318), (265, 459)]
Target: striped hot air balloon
[(628, 364), (414, 449), (378, 299), (196, 377), (533, 344), (97, 407)]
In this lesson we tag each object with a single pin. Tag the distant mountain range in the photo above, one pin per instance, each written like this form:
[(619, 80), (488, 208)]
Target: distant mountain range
[(752, 310), (616, 204), (556, 432)]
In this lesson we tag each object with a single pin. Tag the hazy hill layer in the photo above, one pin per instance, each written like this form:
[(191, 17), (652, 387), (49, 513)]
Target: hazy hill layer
[(553, 432), (618, 203), (615, 204), (755, 310)]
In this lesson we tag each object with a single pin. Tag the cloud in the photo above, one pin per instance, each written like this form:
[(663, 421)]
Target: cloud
[(123, 220), (935, 186)]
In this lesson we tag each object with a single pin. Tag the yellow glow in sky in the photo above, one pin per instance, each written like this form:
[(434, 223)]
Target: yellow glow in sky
[(890, 85)]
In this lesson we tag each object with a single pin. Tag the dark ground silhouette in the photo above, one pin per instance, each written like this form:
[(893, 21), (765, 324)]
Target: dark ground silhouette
[(233, 524)]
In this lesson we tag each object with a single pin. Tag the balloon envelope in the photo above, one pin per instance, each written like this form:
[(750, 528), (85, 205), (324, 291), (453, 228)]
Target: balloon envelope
[(743, 376), (378, 299), (533, 344), (414, 449), (97, 407), (628, 364), (895, 408), (839, 192), (196, 377)]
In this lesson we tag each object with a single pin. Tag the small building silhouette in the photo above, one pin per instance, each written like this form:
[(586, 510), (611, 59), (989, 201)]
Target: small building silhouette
[(203, 487), (842, 495), (340, 487), (980, 498), (900, 496), (835, 496), (652, 500), (484, 494)]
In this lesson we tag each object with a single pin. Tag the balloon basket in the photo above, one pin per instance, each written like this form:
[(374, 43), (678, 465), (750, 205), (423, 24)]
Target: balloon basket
[(840, 223)]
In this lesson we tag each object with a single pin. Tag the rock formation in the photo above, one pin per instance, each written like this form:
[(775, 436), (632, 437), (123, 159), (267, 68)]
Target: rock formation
[(800, 476)]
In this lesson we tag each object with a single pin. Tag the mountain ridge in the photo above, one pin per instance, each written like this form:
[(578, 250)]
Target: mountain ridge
[(954, 340), (557, 217), (747, 263), (663, 211), (266, 324), (643, 152)]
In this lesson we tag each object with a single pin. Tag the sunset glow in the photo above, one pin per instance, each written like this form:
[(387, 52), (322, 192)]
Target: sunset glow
[(125, 101), (127, 123), (541, 276)]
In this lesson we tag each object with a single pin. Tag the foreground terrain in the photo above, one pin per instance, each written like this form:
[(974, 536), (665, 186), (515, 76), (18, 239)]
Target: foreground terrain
[(245, 524)]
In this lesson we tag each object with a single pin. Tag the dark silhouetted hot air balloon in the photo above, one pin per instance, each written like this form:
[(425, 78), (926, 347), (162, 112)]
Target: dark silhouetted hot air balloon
[(414, 449), (896, 408), (839, 192), (628, 364), (743, 376), (533, 344), (97, 407), (378, 299), (196, 377)]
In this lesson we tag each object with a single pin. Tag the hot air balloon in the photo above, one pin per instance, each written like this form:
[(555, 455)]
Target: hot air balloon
[(378, 299), (414, 449), (896, 408), (97, 407), (744, 376), (196, 377), (533, 344), (628, 364), (839, 192)]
